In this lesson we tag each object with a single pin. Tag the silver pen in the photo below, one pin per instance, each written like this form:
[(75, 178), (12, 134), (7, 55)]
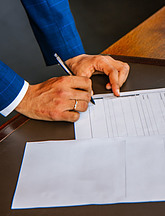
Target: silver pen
[(67, 70)]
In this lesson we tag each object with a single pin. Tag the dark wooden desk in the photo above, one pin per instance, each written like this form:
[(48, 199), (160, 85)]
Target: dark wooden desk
[(20, 129), (146, 40)]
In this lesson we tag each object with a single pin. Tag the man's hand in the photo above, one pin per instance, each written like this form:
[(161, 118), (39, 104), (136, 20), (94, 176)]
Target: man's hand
[(55, 98), (86, 65)]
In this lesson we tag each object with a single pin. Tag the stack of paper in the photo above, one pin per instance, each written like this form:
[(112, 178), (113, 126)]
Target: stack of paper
[(123, 159)]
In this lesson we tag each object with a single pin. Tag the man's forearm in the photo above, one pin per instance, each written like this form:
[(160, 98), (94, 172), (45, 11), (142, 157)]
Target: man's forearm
[(54, 28)]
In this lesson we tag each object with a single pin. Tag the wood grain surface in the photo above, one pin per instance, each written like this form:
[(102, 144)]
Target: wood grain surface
[(146, 40)]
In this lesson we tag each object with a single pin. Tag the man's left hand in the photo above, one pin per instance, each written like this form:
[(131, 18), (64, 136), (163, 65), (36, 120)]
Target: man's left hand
[(86, 65)]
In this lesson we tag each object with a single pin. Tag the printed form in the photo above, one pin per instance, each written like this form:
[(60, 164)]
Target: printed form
[(136, 113)]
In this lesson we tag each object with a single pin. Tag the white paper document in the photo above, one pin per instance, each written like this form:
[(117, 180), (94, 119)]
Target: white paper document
[(67, 173), (94, 171), (145, 169), (118, 156), (138, 113)]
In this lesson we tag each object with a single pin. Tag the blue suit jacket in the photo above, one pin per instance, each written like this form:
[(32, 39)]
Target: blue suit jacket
[(54, 28)]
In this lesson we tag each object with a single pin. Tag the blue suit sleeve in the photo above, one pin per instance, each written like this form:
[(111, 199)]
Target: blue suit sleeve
[(55, 31), (10, 85), (54, 28)]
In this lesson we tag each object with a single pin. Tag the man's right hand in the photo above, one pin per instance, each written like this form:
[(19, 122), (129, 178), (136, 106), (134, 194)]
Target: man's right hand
[(55, 98)]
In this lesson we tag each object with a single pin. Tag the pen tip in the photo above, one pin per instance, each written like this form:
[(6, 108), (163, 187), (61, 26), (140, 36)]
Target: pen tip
[(92, 100)]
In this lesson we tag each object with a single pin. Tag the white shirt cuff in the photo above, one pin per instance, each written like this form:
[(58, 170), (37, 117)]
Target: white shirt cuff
[(7, 110)]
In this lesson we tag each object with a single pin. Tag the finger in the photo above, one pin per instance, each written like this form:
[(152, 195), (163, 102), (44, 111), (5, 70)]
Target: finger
[(62, 109), (69, 105), (79, 82), (123, 74), (73, 94), (108, 86), (113, 77), (78, 94), (70, 116), (105, 65), (81, 106), (123, 69)]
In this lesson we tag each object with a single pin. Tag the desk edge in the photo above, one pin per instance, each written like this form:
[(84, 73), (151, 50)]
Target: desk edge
[(11, 125)]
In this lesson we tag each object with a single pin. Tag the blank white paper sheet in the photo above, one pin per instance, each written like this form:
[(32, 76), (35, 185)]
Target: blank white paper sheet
[(95, 171), (67, 173)]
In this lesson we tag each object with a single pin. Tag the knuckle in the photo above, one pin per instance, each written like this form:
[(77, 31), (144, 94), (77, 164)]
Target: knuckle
[(84, 106), (95, 57), (57, 103), (89, 81), (86, 79), (54, 115), (88, 97), (100, 58), (62, 80), (60, 93), (55, 112), (75, 116), (126, 67)]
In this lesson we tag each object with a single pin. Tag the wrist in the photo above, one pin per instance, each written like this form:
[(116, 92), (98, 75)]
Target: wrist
[(25, 102)]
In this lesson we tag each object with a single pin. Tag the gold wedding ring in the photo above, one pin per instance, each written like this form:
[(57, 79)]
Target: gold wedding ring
[(75, 105)]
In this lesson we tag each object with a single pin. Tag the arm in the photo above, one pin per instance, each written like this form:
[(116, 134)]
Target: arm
[(54, 28), (12, 89), (53, 99), (45, 17), (55, 31)]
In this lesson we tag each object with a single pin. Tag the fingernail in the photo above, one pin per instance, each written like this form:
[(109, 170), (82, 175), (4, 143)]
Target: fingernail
[(118, 92), (108, 86), (92, 93)]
